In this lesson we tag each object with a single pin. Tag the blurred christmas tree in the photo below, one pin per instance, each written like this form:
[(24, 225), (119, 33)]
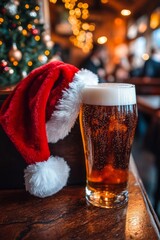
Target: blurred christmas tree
[(24, 45)]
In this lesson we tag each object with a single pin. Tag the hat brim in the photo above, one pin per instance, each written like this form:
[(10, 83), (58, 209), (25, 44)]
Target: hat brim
[(67, 109)]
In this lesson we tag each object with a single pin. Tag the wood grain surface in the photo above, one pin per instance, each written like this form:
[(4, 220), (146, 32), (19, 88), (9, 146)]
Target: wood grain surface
[(66, 215)]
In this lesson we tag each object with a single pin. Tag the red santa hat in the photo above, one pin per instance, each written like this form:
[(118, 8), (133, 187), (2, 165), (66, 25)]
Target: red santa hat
[(43, 108)]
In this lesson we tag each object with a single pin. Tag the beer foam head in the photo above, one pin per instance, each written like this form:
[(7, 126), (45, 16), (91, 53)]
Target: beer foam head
[(109, 94)]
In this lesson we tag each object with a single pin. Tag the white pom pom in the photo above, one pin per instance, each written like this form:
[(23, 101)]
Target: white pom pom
[(44, 179)]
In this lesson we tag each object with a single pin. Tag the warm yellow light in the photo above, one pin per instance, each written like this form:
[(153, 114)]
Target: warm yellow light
[(85, 5), (37, 8), (27, 6), (15, 63), (145, 56), (1, 42), (125, 12), (1, 20), (75, 31), (154, 22), (66, 5), (84, 16), (47, 52), (85, 11), (53, 1), (85, 26), (71, 12), (24, 32), (89, 35), (78, 12), (104, 1), (29, 26), (17, 17), (102, 40), (91, 27), (80, 4), (30, 63), (71, 6), (37, 38), (71, 38)]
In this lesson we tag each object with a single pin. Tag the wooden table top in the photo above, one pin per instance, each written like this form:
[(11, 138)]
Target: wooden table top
[(67, 216)]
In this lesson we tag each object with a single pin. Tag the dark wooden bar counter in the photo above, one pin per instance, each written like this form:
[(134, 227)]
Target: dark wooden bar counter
[(67, 216)]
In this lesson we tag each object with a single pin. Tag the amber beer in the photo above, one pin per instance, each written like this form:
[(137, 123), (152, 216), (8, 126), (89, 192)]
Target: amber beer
[(108, 120)]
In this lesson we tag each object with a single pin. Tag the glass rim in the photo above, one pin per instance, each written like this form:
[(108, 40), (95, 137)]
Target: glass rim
[(111, 85)]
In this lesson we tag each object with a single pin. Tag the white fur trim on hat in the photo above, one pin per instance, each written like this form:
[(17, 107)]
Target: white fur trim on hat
[(67, 109), (44, 179)]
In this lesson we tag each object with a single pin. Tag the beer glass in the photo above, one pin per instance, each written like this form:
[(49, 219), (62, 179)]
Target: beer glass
[(108, 118)]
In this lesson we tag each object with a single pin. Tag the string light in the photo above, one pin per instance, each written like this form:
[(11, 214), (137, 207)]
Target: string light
[(125, 12), (53, 1), (155, 20), (91, 27), (37, 38), (30, 63), (27, 6), (15, 63), (17, 16), (102, 40), (81, 29), (29, 26), (85, 5), (47, 52), (1, 20), (37, 8), (24, 32)]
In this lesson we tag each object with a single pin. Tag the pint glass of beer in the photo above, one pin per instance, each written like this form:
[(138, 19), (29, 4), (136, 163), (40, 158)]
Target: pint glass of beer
[(108, 120)]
